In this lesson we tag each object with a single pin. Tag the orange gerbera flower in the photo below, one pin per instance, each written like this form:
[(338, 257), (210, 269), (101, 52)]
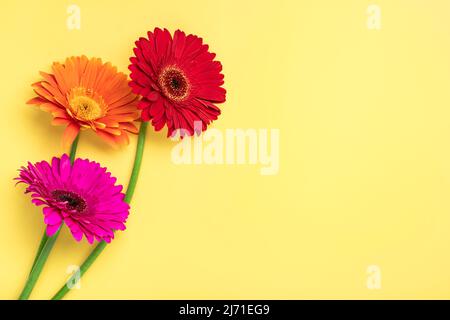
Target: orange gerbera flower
[(85, 93)]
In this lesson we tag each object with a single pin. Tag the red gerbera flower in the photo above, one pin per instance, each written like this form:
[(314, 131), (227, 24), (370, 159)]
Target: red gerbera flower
[(178, 79)]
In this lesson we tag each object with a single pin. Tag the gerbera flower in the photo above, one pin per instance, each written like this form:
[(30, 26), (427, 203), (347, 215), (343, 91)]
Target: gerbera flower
[(83, 196), (85, 93), (178, 79)]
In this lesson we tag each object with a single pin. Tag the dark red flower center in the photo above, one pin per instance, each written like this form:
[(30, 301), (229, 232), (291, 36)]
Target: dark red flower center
[(73, 200), (174, 83)]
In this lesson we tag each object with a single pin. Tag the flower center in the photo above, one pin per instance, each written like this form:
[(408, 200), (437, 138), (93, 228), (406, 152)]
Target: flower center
[(85, 104), (73, 200), (174, 83)]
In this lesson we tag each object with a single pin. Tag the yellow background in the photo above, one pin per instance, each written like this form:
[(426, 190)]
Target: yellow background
[(364, 119)]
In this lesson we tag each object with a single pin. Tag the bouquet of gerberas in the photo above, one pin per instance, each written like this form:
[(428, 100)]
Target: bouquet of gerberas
[(175, 82)]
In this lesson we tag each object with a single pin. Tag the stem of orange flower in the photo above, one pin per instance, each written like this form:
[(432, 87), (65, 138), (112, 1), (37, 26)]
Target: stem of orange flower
[(128, 196), (73, 151), (45, 246)]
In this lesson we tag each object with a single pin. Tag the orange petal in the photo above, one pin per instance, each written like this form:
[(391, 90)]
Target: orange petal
[(49, 78), (49, 106), (90, 74), (57, 96), (71, 73), (129, 126), (115, 88), (127, 98), (43, 93), (60, 121), (123, 139), (37, 100), (69, 135), (121, 118), (100, 125), (80, 66), (60, 75), (123, 110), (60, 113), (107, 137), (54, 110), (109, 122), (103, 75), (113, 131)]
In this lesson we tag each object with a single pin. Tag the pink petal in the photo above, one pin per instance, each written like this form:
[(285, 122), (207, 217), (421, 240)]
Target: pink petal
[(51, 229)]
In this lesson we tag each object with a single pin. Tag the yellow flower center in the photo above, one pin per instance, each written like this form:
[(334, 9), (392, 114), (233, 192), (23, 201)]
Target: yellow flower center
[(86, 105)]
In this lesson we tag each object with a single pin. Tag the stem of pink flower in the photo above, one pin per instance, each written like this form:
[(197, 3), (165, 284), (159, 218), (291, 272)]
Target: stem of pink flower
[(45, 246), (128, 196)]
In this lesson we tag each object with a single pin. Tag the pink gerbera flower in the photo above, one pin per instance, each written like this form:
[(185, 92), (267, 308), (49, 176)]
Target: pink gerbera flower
[(178, 79), (82, 195)]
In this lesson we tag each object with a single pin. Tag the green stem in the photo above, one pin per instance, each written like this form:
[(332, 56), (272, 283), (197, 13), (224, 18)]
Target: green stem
[(128, 196), (38, 266), (137, 162), (45, 246), (73, 149), (44, 240)]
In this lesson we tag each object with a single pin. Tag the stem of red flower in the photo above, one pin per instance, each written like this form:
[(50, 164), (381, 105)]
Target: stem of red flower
[(128, 196), (45, 246), (137, 162)]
